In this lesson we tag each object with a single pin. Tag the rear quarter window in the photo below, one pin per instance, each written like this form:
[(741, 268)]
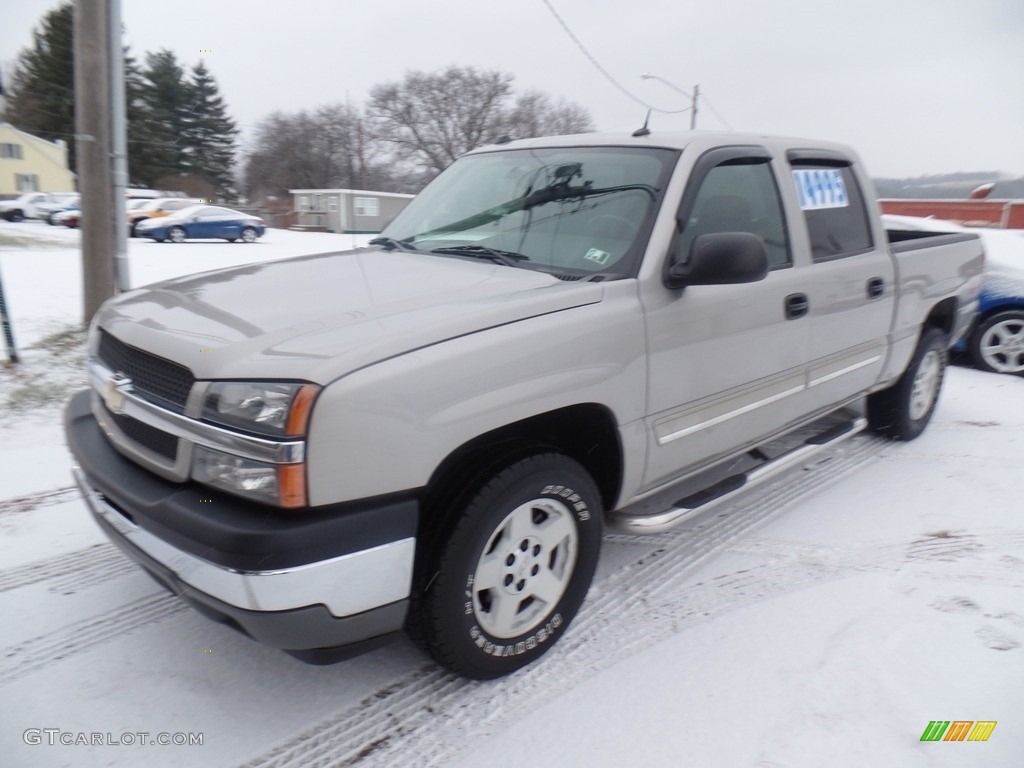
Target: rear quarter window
[(834, 210)]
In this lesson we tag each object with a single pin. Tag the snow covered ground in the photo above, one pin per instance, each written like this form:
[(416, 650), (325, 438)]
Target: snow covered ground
[(822, 620)]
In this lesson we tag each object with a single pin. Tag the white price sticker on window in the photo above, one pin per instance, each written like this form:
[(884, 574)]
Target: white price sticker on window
[(820, 188)]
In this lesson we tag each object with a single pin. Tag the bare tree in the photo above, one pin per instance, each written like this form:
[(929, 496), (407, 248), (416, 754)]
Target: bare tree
[(412, 130), (535, 114), (432, 119), (326, 148)]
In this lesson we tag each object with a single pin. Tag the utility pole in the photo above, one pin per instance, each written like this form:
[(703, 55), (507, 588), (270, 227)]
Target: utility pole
[(93, 136), (119, 149)]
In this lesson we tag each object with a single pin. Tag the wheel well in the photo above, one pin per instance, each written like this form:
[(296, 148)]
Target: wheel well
[(995, 310), (586, 433), (942, 316)]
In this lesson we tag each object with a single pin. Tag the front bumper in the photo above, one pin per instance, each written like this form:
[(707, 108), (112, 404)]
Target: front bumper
[(297, 580)]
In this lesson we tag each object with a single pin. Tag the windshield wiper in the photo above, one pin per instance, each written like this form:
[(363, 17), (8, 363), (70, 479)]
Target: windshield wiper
[(391, 244), (551, 194), (508, 258)]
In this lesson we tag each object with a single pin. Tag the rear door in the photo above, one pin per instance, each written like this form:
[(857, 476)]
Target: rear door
[(850, 283), (727, 362)]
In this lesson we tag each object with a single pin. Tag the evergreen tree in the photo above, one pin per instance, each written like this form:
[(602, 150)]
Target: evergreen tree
[(209, 133), (145, 152), (40, 94), (165, 105)]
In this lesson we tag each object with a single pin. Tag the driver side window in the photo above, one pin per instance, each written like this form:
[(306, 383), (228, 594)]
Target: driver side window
[(740, 197)]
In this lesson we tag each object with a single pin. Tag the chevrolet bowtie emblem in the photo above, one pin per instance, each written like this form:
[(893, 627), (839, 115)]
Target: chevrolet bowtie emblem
[(113, 392)]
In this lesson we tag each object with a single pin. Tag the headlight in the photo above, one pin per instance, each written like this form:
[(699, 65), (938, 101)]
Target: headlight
[(275, 410), (283, 485)]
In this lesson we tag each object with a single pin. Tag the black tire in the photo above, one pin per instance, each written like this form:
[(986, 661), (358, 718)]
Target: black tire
[(15, 215), (532, 528), (176, 235), (997, 344), (248, 235), (902, 411)]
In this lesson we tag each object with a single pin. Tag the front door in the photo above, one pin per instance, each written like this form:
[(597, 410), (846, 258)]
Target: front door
[(727, 362)]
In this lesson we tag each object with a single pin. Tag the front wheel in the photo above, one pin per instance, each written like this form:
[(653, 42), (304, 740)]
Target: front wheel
[(511, 575), (903, 410), (997, 344), (16, 216)]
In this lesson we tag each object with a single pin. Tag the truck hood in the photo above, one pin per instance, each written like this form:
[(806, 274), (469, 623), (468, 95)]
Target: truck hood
[(316, 318)]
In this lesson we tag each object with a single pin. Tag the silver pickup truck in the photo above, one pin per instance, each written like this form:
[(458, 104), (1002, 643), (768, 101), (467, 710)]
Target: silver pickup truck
[(555, 336)]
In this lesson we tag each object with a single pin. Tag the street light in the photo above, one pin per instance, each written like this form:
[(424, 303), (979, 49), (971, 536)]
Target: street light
[(692, 97)]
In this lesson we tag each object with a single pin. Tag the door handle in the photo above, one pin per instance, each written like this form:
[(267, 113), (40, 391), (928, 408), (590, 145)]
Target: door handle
[(796, 305), (876, 287)]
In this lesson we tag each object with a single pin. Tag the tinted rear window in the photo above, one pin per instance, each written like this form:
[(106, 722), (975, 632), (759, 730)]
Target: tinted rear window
[(833, 206)]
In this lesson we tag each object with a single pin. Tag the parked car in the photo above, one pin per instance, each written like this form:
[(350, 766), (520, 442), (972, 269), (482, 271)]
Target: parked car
[(203, 221), (996, 339), (154, 209), (62, 202), (24, 206), (70, 217), (555, 334)]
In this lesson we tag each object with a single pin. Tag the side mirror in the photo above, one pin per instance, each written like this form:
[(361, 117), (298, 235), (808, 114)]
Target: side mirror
[(720, 258)]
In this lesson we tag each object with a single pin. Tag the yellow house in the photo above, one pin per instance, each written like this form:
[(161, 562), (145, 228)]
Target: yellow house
[(31, 164)]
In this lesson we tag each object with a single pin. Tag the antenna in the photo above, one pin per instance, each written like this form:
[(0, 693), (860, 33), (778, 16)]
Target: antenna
[(644, 130)]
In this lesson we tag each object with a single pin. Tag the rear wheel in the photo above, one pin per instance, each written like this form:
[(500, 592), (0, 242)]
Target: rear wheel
[(513, 571), (903, 410), (248, 235), (15, 216), (176, 235), (997, 344)]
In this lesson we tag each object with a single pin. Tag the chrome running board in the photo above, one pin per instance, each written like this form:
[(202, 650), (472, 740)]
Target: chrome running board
[(727, 488)]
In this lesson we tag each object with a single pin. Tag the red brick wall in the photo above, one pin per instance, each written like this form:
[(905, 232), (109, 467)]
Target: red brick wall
[(992, 213)]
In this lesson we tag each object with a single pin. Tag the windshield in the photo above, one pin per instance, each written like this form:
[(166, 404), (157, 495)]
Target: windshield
[(574, 211)]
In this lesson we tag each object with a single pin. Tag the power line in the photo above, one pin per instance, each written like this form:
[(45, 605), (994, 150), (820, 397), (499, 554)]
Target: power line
[(618, 85), (714, 111), (602, 70)]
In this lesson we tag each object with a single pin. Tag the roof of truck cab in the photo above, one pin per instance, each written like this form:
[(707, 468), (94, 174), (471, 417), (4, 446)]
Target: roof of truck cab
[(663, 139)]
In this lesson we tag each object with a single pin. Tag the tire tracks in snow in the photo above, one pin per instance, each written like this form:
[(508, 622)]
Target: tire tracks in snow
[(38, 500), (39, 652), (72, 571), (430, 717)]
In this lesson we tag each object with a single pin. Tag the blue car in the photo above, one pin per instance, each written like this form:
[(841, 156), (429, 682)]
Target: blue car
[(203, 222), (996, 340)]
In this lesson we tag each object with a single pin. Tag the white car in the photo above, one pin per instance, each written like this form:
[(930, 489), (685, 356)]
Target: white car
[(25, 206)]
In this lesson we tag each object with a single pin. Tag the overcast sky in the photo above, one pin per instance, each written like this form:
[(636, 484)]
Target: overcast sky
[(916, 86)]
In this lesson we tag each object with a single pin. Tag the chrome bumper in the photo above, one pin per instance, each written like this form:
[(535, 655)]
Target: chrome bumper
[(345, 585)]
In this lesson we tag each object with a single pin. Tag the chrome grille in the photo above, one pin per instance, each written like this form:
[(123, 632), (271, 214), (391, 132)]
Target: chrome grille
[(153, 378)]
